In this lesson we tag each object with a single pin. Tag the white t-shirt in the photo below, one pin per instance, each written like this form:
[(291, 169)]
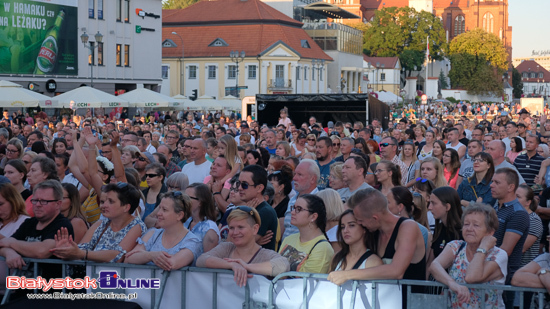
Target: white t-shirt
[(197, 173), (69, 178)]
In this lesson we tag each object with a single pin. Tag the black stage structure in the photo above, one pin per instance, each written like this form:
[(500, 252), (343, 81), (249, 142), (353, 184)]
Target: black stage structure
[(325, 107)]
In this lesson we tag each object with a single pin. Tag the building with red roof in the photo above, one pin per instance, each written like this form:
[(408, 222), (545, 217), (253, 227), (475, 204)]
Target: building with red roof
[(535, 78), (279, 56)]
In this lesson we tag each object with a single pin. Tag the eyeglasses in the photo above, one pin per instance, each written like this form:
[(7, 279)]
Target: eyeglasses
[(12, 151), (386, 144), (298, 209), (478, 160), (171, 137), (336, 144), (421, 179), (176, 194), (142, 159), (151, 175), (42, 202), (243, 184), (311, 139), (379, 171)]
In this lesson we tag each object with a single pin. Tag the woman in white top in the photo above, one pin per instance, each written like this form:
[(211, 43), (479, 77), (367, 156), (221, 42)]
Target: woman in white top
[(357, 245), (428, 148), (299, 147)]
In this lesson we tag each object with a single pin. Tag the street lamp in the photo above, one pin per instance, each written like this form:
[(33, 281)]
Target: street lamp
[(98, 38), (182, 65), (236, 57), (319, 64)]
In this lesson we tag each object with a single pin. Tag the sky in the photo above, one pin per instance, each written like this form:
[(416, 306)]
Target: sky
[(530, 26)]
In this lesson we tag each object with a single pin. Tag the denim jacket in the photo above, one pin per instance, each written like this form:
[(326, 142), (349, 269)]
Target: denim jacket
[(470, 191)]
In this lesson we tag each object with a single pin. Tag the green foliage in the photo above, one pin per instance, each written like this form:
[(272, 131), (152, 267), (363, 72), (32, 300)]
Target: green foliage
[(395, 30), (410, 59), (475, 74), (478, 60), (443, 80), (517, 84), (177, 4)]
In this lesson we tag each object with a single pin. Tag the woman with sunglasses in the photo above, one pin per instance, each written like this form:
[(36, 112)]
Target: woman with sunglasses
[(108, 240), (155, 174), (308, 250), (388, 175), (243, 255), (477, 188), (311, 142), (451, 163), (171, 245), (203, 216), (336, 142), (299, 146), (357, 243)]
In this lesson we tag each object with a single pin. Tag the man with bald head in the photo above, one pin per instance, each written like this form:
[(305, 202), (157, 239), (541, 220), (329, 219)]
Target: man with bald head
[(197, 170), (400, 242), (497, 150), (306, 176)]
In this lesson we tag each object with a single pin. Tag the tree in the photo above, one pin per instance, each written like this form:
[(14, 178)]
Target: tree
[(478, 60), (518, 84), (443, 80), (404, 32), (177, 4)]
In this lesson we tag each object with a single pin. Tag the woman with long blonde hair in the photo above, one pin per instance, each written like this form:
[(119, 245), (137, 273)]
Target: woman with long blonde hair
[(432, 169), (228, 147)]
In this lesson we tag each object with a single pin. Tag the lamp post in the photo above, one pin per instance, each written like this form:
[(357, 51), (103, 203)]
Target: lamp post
[(99, 39), (237, 58), (182, 64), (319, 64)]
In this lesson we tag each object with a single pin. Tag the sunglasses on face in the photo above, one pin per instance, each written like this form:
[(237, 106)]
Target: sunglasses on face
[(151, 175), (421, 179), (386, 144), (243, 184)]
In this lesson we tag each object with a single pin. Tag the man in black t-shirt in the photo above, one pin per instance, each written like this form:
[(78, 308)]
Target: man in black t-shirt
[(35, 237)]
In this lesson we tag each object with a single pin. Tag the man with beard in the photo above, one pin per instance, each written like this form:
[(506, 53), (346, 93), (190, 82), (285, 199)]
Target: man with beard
[(323, 149)]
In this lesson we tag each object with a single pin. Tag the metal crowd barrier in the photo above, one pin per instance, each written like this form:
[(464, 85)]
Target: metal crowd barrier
[(258, 299)]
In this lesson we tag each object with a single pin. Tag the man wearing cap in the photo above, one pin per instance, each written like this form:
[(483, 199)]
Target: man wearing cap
[(523, 114), (330, 126)]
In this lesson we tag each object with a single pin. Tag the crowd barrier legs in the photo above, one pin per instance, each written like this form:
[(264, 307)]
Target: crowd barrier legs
[(200, 287)]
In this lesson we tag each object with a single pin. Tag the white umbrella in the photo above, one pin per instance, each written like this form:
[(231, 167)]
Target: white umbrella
[(88, 97), (209, 103), (179, 102), (14, 95), (231, 103), (143, 97)]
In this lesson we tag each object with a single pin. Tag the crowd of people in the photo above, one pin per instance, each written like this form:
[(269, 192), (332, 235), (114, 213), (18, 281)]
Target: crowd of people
[(461, 200)]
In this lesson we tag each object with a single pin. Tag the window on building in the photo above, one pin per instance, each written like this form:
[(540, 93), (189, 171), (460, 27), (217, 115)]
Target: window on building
[(533, 75), (231, 72), (211, 72), (165, 69), (126, 55), (118, 55), (100, 9), (251, 72), (305, 72), (382, 76), (91, 56), (119, 10), (126, 11), (488, 22), (524, 75), (91, 8), (460, 25), (192, 72), (297, 73), (541, 75), (100, 53)]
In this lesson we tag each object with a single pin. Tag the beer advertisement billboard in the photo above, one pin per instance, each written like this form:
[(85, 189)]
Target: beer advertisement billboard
[(39, 37)]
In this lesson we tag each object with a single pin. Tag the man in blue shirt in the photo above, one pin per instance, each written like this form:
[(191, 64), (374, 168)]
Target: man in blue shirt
[(323, 151), (513, 224), (270, 141)]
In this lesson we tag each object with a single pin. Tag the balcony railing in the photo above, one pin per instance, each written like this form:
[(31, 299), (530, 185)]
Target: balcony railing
[(280, 83)]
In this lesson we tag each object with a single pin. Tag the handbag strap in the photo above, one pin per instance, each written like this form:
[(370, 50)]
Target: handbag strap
[(100, 235)]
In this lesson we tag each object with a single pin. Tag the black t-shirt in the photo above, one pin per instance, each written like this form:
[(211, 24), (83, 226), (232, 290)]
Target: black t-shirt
[(25, 194), (281, 208), (442, 240), (28, 232)]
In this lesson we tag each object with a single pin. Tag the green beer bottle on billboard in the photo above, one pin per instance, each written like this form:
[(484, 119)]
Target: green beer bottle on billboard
[(47, 57)]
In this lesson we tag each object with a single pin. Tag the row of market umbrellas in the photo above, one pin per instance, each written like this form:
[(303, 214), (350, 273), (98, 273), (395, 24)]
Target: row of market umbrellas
[(15, 95)]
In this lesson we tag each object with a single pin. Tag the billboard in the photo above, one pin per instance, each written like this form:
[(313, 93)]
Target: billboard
[(39, 37)]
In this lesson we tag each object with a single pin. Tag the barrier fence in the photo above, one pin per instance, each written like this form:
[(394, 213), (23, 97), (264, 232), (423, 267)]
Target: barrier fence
[(190, 287)]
